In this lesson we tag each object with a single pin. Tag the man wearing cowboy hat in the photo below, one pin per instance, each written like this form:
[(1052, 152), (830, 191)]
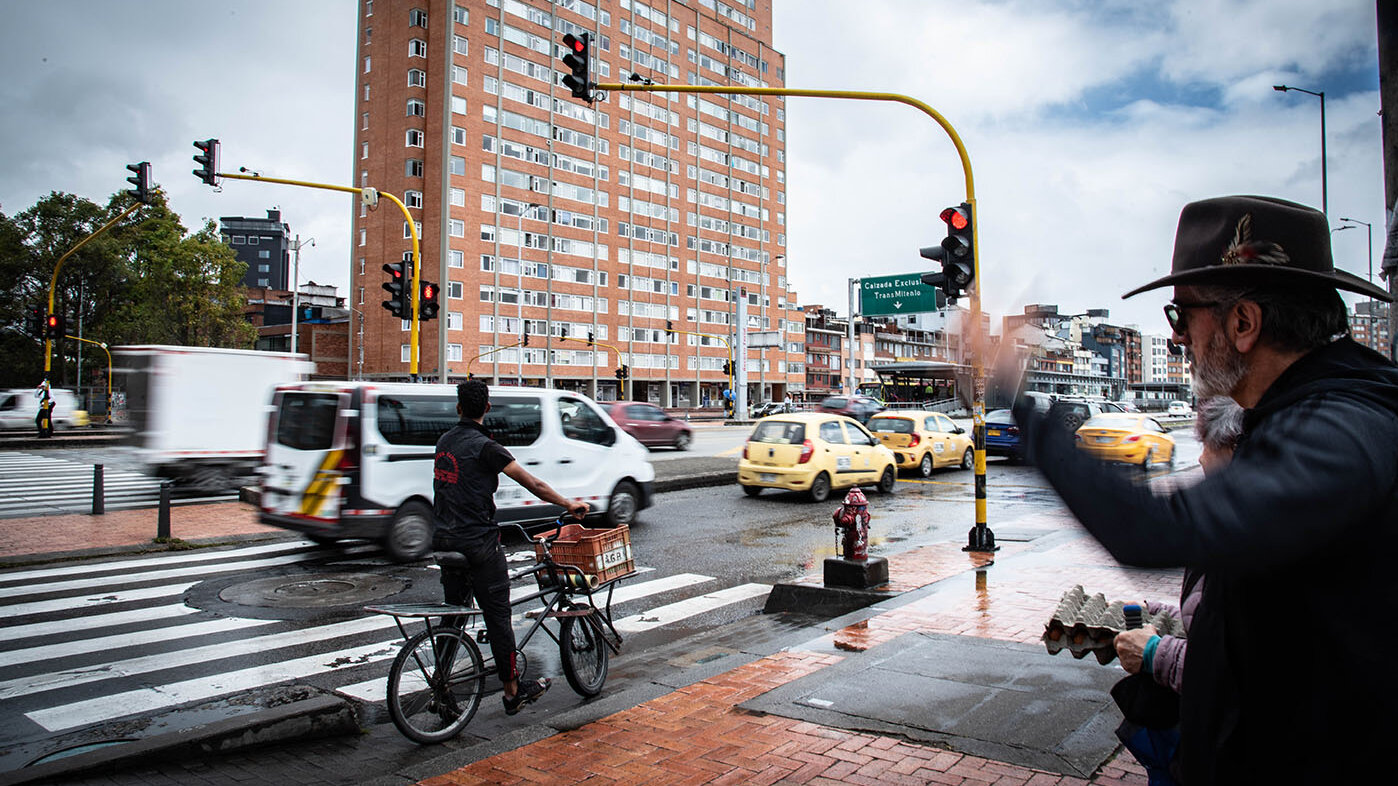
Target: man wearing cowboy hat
[(1286, 676)]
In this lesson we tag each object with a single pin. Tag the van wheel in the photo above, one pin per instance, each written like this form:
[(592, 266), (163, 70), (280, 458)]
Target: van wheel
[(409, 537), (820, 488), (887, 480), (623, 504), (925, 467)]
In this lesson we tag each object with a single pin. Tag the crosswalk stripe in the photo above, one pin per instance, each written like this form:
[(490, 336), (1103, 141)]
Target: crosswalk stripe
[(44, 652), (158, 697), (162, 559), (94, 621), (152, 575), (674, 612), (95, 601), (178, 658)]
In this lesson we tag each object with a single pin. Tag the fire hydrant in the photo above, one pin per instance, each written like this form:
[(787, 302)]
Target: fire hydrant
[(854, 568), (852, 526)]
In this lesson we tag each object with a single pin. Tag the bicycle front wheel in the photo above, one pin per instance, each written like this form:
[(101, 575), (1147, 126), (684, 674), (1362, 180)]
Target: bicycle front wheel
[(584, 654), (435, 685)]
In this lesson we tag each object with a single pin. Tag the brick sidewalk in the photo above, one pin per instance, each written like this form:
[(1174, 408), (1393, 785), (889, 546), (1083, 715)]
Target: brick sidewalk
[(76, 532), (698, 734)]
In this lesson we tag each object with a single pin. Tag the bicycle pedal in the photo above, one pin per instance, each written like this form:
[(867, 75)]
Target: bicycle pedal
[(482, 636)]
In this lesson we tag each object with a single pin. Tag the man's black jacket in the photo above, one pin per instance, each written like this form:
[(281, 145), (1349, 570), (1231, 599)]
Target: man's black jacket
[(1285, 676)]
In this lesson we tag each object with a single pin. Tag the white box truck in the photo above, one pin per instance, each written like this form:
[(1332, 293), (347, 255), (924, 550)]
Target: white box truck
[(199, 414)]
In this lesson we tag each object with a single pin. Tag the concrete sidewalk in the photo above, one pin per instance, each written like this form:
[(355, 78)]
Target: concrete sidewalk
[(946, 682)]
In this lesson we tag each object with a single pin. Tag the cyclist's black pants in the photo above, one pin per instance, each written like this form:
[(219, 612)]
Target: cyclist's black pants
[(488, 581)]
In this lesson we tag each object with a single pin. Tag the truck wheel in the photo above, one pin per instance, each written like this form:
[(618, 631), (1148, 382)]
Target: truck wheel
[(623, 504), (409, 537)]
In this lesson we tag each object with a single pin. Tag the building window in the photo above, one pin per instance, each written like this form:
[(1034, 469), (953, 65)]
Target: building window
[(361, 266), (408, 233), (454, 353), (417, 18), (412, 198), (368, 7), (458, 197), (456, 228), (416, 108), (364, 150), (254, 239), (413, 167), (416, 138), (455, 290), (458, 105), (460, 15), (417, 77), (361, 296), (456, 259), (459, 75), (366, 64), (368, 35), (362, 237), (263, 282), (364, 121), (239, 240), (456, 165), (366, 92), (417, 48), (405, 353), (264, 268), (264, 254), (454, 320), (459, 45)]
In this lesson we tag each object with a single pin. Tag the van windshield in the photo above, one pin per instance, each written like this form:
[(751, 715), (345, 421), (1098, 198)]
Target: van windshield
[(306, 421)]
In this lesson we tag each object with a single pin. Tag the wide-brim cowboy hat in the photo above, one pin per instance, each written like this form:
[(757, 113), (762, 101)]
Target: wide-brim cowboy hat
[(1249, 240)]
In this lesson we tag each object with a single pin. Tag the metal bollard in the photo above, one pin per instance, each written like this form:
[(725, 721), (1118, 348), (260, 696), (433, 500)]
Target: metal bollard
[(99, 496), (162, 524)]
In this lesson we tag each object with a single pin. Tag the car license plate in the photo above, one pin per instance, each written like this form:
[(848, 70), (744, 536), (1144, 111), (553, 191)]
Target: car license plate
[(995, 432), (767, 477), (1104, 440)]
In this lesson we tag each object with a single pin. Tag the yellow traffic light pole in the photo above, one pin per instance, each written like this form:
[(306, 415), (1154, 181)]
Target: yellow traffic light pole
[(594, 342), (109, 370), (981, 538), (732, 361), (370, 196), (491, 352), (53, 282)]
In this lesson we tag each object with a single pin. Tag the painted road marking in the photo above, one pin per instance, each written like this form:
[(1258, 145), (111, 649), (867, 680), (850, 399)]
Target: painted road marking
[(674, 612)]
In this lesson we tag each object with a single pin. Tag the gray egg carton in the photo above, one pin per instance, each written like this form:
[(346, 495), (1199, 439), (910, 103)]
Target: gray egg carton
[(1085, 624)]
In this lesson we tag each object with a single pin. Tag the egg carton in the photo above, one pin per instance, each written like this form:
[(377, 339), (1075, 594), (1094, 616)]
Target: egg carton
[(1085, 624)]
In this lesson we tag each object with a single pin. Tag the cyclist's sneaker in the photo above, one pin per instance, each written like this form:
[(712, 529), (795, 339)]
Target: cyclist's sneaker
[(528, 693)]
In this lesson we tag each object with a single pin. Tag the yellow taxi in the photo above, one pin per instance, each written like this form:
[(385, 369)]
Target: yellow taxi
[(923, 440), (1128, 437), (813, 452)]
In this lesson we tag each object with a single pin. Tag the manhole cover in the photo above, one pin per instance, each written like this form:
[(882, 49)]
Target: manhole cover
[(307, 592)]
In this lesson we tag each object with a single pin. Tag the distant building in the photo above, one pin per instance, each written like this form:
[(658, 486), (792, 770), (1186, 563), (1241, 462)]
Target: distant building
[(264, 244), (1368, 324), (322, 326)]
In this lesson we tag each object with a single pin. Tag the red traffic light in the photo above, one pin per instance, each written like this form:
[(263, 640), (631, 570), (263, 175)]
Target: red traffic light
[(955, 218), (574, 43), (429, 291)]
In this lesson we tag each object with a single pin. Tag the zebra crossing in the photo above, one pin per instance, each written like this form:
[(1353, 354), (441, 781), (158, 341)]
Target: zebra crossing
[(101, 641), (34, 485)]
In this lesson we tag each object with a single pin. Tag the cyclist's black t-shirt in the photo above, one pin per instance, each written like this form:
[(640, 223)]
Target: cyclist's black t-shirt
[(465, 475)]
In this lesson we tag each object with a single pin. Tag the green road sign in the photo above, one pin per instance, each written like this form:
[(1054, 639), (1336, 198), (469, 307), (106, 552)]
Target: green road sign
[(901, 294)]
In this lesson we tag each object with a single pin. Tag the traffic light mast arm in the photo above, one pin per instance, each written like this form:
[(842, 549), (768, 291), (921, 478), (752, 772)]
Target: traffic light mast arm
[(733, 369), (491, 352), (53, 282), (412, 290), (103, 345), (594, 342)]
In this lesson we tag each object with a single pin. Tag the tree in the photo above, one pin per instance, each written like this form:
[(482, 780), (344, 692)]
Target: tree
[(145, 281)]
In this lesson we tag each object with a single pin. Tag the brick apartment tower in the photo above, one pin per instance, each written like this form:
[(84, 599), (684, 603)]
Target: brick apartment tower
[(543, 217)]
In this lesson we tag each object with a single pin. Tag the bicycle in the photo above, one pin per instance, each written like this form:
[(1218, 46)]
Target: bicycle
[(437, 680)]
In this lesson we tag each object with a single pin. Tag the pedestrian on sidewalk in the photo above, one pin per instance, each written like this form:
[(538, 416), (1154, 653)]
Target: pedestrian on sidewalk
[(1284, 679), (1151, 729), (465, 475)]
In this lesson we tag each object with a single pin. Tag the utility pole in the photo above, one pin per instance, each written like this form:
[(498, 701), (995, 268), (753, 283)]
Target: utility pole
[(1388, 103), (295, 285)]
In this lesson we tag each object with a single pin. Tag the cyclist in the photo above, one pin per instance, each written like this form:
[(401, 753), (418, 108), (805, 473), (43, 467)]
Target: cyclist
[(465, 476)]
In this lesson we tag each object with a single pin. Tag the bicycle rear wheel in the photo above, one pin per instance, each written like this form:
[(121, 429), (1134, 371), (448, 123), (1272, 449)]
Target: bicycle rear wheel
[(584, 654), (435, 684)]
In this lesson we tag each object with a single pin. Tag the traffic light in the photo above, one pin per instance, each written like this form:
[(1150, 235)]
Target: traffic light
[(427, 305), (728, 367), (577, 59), (35, 325), (525, 340), (956, 253), (622, 372), (141, 181), (55, 326), (669, 328), (591, 337), (397, 305), (208, 161)]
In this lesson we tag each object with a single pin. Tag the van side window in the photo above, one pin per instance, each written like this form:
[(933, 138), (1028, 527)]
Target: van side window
[(582, 423), (8, 403), (415, 420), (514, 421)]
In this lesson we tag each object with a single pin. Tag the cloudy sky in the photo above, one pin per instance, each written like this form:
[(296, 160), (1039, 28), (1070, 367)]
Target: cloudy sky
[(1089, 124)]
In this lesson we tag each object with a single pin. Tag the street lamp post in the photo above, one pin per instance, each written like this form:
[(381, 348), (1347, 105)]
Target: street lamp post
[(1372, 339), (295, 283), (1324, 187)]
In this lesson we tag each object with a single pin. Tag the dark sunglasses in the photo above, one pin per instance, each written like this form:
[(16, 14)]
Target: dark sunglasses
[(1174, 313)]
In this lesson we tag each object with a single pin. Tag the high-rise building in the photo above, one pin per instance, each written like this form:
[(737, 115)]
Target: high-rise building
[(548, 219), (264, 244), (1368, 324)]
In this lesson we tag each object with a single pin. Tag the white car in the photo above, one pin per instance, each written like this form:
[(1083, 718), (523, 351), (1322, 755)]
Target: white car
[(1178, 408)]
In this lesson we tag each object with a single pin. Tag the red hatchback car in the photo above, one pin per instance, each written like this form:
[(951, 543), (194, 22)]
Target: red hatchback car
[(650, 425)]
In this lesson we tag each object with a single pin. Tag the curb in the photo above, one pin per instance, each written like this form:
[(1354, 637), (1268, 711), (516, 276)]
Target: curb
[(701, 480), (321, 716)]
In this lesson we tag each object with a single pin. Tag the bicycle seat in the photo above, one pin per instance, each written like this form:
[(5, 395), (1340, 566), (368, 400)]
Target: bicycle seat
[(451, 559)]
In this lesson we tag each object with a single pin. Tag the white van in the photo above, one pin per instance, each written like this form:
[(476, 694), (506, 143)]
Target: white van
[(354, 459), (19, 407)]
